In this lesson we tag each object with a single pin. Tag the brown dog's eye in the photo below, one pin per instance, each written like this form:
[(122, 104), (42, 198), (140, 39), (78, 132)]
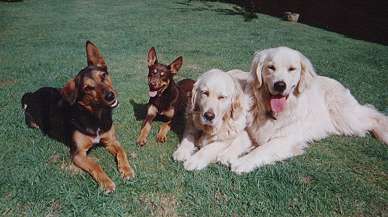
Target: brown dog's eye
[(272, 67), (291, 69), (88, 88)]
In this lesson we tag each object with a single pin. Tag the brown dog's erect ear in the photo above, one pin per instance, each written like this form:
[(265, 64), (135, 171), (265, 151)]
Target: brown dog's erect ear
[(70, 91), (176, 65), (93, 56), (257, 66), (152, 58), (307, 73)]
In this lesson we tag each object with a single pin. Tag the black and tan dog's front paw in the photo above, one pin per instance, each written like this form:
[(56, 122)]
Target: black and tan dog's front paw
[(162, 138), (127, 173), (141, 141)]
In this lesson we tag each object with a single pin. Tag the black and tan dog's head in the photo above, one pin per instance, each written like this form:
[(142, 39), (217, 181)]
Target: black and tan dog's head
[(160, 75), (92, 87)]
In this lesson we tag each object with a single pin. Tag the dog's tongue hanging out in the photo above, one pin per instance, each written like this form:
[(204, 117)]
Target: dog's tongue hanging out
[(152, 93), (278, 103)]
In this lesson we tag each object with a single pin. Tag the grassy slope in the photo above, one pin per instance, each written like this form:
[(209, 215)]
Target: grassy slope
[(42, 43)]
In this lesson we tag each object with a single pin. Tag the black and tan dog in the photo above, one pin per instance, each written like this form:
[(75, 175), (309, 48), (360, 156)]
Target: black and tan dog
[(80, 115), (167, 98)]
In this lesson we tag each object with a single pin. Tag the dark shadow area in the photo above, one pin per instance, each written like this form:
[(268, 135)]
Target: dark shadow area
[(359, 19), (11, 0), (178, 124), (236, 10)]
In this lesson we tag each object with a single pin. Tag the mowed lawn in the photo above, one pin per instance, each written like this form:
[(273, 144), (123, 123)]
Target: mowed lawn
[(42, 44)]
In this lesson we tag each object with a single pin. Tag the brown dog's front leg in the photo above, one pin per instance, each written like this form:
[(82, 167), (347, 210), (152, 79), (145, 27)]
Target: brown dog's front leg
[(83, 143), (166, 126), (145, 129), (110, 142)]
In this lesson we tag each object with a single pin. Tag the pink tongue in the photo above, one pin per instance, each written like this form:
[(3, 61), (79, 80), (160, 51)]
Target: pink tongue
[(278, 104), (152, 93)]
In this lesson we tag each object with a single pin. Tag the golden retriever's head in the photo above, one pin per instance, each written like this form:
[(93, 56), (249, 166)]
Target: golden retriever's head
[(216, 98), (282, 71)]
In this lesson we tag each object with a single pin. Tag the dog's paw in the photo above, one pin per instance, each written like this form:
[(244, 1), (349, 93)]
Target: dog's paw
[(161, 138), (181, 155), (241, 166), (127, 173), (141, 141), (108, 186), (225, 159), (195, 163)]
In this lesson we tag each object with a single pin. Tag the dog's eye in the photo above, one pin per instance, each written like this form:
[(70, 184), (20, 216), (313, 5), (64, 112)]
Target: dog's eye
[(221, 97), (162, 73), (291, 69), (88, 88), (272, 67), (205, 92)]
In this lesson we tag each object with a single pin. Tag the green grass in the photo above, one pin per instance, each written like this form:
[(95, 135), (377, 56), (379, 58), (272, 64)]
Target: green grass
[(42, 43)]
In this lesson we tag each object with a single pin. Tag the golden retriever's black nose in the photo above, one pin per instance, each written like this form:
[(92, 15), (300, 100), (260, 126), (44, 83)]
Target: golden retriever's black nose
[(110, 96), (280, 86), (209, 115)]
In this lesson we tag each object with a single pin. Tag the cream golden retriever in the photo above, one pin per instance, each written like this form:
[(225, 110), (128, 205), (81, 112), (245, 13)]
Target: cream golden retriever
[(216, 119), (292, 106)]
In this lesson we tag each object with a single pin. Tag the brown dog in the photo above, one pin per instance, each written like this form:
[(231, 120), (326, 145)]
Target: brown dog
[(166, 97), (80, 115)]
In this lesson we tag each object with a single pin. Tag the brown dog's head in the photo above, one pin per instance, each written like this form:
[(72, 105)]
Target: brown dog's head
[(160, 75), (92, 87)]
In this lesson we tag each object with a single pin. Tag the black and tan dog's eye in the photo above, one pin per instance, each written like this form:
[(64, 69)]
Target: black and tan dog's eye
[(88, 88)]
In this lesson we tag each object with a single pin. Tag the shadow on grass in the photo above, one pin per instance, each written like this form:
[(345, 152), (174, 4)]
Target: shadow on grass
[(239, 10), (365, 20), (140, 111), (11, 1)]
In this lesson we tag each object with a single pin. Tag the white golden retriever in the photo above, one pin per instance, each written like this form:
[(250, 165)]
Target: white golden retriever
[(292, 106), (216, 119)]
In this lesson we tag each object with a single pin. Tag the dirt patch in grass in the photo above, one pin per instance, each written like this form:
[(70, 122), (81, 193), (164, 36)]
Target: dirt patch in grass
[(54, 209), (5, 83), (64, 165), (160, 204)]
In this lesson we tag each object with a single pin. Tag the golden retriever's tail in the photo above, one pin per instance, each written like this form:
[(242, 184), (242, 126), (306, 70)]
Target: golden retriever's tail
[(380, 130)]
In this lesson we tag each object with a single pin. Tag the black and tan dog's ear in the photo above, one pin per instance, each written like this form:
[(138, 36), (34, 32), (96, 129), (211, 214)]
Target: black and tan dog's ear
[(94, 57), (152, 58), (70, 91), (307, 73), (176, 65)]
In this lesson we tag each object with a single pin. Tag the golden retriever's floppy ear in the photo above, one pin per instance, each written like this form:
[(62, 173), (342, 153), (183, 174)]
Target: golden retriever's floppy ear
[(70, 91), (236, 100), (257, 66), (152, 58), (176, 65), (193, 103), (307, 73), (93, 56)]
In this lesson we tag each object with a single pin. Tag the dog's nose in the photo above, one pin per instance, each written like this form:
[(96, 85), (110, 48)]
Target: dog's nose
[(209, 115), (110, 96), (280, 86)]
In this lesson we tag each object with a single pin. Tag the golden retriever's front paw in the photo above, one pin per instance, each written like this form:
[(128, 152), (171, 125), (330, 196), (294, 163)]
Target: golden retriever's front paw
[(225, 159), (241, 166), (195, 163), (181, 155)]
